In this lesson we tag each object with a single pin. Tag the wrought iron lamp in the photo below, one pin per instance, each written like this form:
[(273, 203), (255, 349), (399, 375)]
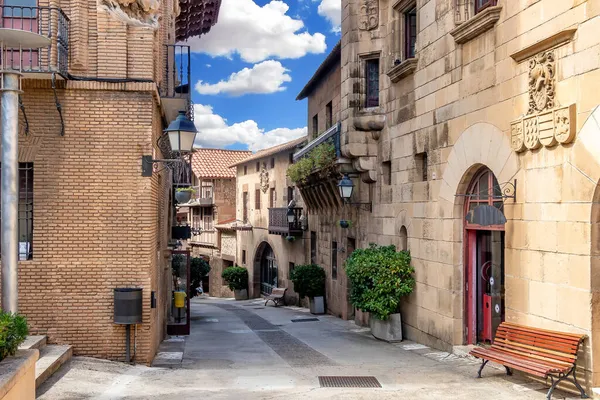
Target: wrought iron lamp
[(182, 134), (346, 187), (291, 216)]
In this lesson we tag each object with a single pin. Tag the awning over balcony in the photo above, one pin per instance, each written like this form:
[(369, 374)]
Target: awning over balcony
[(196, 17)]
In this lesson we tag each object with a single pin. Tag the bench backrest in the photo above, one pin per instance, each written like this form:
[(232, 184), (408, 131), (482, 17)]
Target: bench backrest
[(278, 291), (541, 344)]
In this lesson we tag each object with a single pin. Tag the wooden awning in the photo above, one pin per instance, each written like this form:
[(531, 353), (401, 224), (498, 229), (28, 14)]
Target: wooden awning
[(196, 17)]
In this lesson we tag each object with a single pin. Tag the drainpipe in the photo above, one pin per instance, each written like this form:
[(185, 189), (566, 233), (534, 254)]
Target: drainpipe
[(10, 190)]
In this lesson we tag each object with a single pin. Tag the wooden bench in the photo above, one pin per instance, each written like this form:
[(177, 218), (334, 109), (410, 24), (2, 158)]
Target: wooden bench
[(277, 296), (538, 352)]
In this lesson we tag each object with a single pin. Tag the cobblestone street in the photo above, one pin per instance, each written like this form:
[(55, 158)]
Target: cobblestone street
[(243, 350)]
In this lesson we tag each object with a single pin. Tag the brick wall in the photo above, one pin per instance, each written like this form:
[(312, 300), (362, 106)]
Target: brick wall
[(97, 223)]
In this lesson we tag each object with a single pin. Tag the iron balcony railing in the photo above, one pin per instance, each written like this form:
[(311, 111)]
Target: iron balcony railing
[(50, 22), (176, 82), (331, 135), (279, 225)]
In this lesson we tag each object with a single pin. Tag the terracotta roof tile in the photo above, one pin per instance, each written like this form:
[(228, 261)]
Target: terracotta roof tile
[(272, 150), (216, 163)]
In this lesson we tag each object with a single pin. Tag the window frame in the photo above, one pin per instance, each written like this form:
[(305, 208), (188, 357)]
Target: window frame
[(272, 194), (257, 204), (328, 115), (245, 206), (334, 260), (486, 4), (408, 33), (371, 102), (315, 125)]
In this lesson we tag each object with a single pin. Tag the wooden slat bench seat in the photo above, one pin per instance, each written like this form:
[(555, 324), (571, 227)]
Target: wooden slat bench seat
[(277, 296), (539, 352)]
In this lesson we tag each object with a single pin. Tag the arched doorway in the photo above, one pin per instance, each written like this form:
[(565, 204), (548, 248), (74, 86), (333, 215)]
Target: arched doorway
[(267, 264), (484, 257)]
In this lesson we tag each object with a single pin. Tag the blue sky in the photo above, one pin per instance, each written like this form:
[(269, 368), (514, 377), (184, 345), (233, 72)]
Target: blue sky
[(247, 72)]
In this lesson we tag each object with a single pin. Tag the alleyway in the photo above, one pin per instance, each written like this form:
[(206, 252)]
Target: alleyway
[(242, 350)]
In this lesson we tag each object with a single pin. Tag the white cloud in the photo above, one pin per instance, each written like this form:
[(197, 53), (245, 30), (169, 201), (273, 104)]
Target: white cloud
[(257, 33), (208, 65), (213, 131), (332, 10), (266, 77)]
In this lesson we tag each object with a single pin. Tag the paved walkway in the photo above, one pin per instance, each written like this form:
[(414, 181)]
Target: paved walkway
[(243, 350)]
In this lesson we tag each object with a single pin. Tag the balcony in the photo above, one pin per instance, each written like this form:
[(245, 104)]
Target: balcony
[(204, 201), (175, 91), (279, 225), (45, 30), (205, 238), (331, 135)]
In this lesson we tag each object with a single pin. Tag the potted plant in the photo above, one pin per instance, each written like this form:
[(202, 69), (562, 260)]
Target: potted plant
[(380, 276), (237, 280), (309, 281), (183, 194), (344, 223)]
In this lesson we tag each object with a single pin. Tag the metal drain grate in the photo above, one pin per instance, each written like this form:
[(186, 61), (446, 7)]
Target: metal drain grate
[(305, 320), (349, 381)]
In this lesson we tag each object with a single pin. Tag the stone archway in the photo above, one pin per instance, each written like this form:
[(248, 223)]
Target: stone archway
[(265, 269)]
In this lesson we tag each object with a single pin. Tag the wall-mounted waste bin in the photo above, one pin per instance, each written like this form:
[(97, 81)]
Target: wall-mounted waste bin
[(128, 306)]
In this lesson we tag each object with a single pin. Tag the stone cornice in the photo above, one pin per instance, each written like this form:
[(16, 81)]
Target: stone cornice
[(403, 5), (555, 40), (402, 70), (475, 26)]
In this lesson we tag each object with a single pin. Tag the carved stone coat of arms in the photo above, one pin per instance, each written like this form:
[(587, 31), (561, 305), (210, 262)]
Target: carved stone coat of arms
[(369, 15), (541, 82), (264, 180)]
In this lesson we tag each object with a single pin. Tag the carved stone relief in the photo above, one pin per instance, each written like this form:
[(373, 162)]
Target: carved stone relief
[(264, 179), (134, 12), (541, 82), (548, 128), (369, 15)]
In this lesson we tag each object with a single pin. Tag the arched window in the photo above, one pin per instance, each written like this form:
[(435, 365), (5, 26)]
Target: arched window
[(484, 190), (403, 238)]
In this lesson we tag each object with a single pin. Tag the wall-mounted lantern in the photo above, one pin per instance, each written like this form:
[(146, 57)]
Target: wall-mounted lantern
[(346, 187)]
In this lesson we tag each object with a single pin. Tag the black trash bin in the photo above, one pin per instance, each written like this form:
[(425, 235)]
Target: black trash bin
[(128, 306)]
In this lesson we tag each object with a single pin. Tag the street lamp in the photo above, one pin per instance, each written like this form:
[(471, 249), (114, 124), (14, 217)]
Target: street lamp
[(346, 186), (182, 134), (291, 216)]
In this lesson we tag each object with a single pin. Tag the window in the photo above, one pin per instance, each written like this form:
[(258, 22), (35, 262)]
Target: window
[(403, 238), (421, 165), (313, 247), (272, 162), (257, 166), (207, 221), (386, 170), (245, 170), (290, 193), (291, 269), (245, 207), (372, 82), (257, 199), (206, 189), (291, 158), (334, 256), (25, 211), (315, 126), (351, 246), (243, 257), (410, 32), (328, 115), (483, 4), (272, 197)]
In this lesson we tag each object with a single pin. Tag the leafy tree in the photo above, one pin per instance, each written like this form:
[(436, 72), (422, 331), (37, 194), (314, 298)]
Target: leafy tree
[(380, 276), (236, 277), (199, 269), (309, 280)]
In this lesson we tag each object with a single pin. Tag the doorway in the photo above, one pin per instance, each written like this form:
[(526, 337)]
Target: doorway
[(268, 270), (484, 256)]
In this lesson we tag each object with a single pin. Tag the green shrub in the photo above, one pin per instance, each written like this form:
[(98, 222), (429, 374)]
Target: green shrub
[(199, 268), (379, 276), (185, 189), (236, 277), (320, 157), (13, 331), (309, 280)]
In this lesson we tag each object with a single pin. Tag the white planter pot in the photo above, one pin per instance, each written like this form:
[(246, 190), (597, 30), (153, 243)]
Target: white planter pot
[(241, 294), (317, 305), (389, 330)]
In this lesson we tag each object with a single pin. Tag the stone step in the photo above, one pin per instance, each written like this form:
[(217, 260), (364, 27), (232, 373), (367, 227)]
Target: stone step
[(33, 342), (51, 358)]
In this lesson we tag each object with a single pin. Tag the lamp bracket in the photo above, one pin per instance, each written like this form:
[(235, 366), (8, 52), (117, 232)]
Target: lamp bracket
[(148, 162), (362, 206)]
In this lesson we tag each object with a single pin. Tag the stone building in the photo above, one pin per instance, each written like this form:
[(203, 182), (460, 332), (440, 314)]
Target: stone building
[(212, 211), (94, 101), (470, 130), (267, 245)]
